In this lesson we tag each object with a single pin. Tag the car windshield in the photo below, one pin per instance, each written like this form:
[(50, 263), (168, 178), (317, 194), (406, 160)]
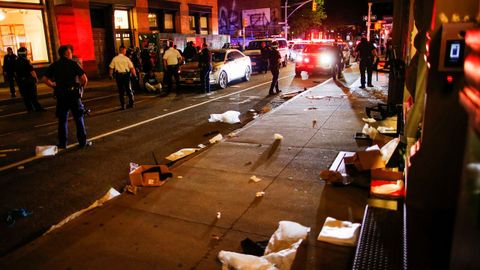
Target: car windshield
[(218, 56), (318, 49), (257, 45)]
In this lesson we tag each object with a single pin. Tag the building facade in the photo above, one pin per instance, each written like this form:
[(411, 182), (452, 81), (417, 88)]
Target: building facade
[(98, 28), (261, 18)]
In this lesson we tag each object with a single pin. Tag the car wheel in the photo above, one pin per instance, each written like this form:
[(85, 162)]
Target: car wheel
[(248, 72), (223, 80)]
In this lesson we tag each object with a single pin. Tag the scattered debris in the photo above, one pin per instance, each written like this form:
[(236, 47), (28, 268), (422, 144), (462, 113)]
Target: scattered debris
[(369, 120), (266, 109), (131, 189), (290, 178), (46, 150), (333, 177), (182, 153), (255, 179), (216, 237), (304, 75), (150, 175), (290, 95), (9, 150), (279, 253), (289, 148), (232, 135), (252, 110), (248, 163), (230, 117), (180, 177), (387, 130), (12, 215), (260, 194), (201, 146), (112, 193), (216, 139), (310, 109), (314, 123), (219, 215), (339, 232), (277, 136)]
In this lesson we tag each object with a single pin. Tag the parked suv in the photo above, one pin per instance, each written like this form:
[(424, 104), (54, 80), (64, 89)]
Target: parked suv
[(253, 51)]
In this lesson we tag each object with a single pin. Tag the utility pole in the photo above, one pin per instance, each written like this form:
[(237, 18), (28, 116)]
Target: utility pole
[(286, 19), (369, 22)]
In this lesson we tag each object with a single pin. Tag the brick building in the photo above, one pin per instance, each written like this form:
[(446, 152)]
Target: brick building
[(97, 28), (262, 17)]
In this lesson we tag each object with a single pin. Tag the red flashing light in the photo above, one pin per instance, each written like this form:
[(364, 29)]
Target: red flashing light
[(449, 79)]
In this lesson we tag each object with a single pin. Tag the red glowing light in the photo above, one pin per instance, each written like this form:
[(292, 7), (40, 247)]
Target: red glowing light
[(449, 79)]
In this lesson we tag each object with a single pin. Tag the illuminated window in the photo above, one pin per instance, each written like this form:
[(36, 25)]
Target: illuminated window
[(204, 25), (152, 20), (121, 19), (23, 28), (168, 21), (193, 28)]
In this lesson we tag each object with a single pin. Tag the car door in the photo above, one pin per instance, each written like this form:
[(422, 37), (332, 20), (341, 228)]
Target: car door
[(237, 65), (229, 66)]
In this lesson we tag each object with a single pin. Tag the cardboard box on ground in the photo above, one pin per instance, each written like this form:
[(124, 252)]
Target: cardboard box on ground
[(149, 175)]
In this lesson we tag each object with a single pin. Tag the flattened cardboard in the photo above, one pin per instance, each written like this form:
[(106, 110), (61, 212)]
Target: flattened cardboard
[(149, 175)]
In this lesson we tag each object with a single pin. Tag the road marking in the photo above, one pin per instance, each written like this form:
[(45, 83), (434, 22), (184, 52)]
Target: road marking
[(51, 107), (21, 162)]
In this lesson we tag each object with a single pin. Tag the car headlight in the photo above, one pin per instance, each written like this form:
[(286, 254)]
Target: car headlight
[(326, 59)]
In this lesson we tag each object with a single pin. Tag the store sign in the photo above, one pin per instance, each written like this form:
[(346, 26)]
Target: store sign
[(121, 19)]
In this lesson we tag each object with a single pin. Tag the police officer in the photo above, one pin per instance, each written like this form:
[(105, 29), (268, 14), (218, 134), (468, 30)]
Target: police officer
[(171, 60), (27, 81), (9, 69), (366, 52), (274, 60), (205, 63), (123, 68), (265, 51), (62, 76)]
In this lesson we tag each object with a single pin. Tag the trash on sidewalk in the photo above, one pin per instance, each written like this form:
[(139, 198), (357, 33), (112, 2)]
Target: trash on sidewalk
[(266, 109), (216, 139), (12, 216), (46, 150), (279, 253), (333, 177), (219, 215), (255, 179), (9, 150), (182, 153), (290, 95), (180, 177), (232, 135), (201, 146), (277, 136), (304, 75), (343, 233), (387, 130), (387, 189), (366, 160), (325, 97), (149, 175), (369, 120), (253, 248), (260, 194), (131, 189), (230, 117), (111, 193)]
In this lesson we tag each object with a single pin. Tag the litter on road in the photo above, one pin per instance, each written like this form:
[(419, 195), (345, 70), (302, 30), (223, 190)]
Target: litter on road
[(255, 179), (279, 253), (278, 137), (339, 232), (229, 117), (201, 146), (180, 177), (46, 150), (216, 139), (260, 194), (182, 153), (219, 215), (131, 189)]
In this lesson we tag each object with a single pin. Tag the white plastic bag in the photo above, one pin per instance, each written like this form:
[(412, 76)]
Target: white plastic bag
[(46, 150), (230, 117)]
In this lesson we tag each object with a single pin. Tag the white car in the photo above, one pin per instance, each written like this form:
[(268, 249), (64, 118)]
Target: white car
[(254, 50), (228, 65)]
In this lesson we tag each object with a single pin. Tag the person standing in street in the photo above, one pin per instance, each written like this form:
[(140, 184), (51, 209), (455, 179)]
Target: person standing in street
[(123, 68), (265, 51), (9, 70), (190, 52), (171, 60), (366, 52), (67, 79), (205, 64), (27, 81), (274, 60)]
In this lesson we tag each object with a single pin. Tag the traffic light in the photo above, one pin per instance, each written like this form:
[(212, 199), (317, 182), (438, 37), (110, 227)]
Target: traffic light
[(314, 5), (245, 22)]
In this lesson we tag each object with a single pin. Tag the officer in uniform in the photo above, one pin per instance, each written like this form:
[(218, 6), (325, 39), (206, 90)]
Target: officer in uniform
[(366, 51), (62, 76), (123, 67), (9, 69), (27, 81), (171, 60), (205, 63), (274, 60)]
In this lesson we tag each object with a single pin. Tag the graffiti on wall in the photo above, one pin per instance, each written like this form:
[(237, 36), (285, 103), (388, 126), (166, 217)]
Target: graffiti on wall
[(229, 19)]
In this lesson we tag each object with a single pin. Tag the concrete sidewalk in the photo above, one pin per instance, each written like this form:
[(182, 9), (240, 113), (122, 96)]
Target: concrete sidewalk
[(175, 226)]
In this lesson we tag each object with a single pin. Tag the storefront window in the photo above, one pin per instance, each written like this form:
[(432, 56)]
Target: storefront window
[(152, 20), (121, 19), (23, 28), (168, 20)]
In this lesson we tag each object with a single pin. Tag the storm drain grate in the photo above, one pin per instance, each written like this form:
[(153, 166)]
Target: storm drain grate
[(380, 244)]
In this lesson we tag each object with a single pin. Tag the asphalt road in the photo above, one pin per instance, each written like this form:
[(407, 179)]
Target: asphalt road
[(54, 187)]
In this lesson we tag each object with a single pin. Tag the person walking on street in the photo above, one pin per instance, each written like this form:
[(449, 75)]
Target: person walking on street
[(146, 59), (27, 81), (67, 79), (274, 60), (123, 68), (265, 51), (366, 52), (171, 60), (9, 70), (205, 64)]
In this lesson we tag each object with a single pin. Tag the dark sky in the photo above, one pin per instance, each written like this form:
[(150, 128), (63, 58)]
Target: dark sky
[(351, 11)]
